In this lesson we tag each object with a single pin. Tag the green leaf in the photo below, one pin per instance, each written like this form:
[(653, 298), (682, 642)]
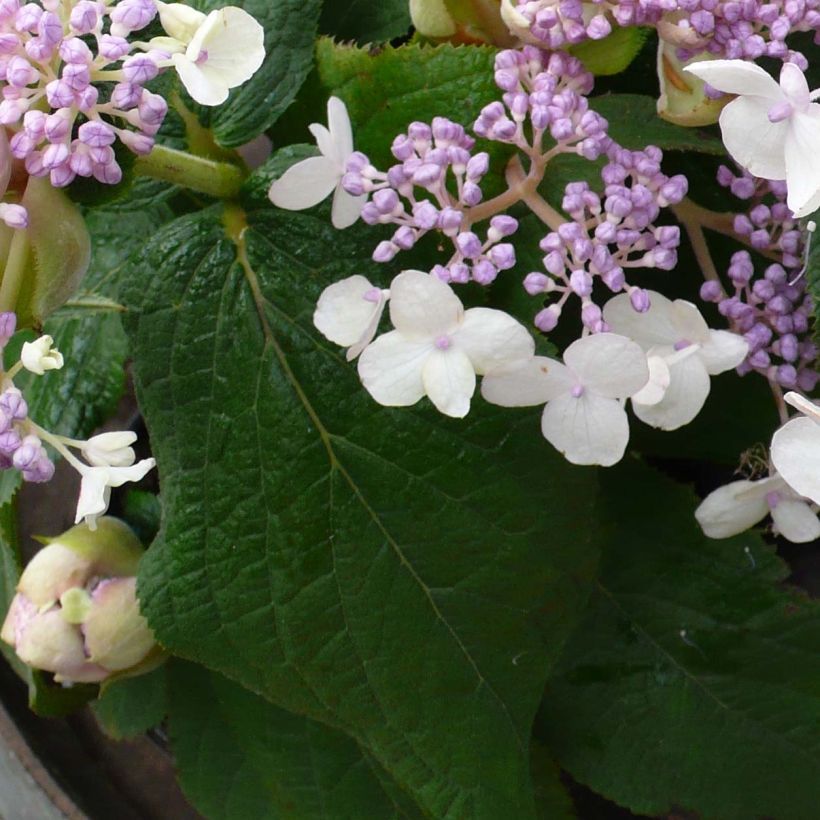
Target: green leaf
[(131, 706), (634, 123), (290, 32), (341, 558), (386, 91), (551, 798), (239, 756), (614, 53), (694, 681), (365, 21)]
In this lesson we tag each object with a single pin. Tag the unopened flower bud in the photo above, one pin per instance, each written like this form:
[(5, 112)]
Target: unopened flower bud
[(39, 356)]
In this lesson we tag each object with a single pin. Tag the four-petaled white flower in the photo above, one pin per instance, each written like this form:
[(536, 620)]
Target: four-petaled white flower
[(736, 507), (348, 313), (796, 448), (674, 334), (39, 356), (771, 129), (584, 416), (308, 182), (437, 347), (95, 488), (212, 53)]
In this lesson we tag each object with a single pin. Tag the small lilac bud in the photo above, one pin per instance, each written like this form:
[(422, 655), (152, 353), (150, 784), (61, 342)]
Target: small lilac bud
[(15, 216), (536, 283), (459, 273), (484, 272), (469, 245), (711, 291), (639, 299), (478, 166), (8, 326), (501, 226), (139, 69), (547, 319), (449, 221), (385, 251), (502, 256)]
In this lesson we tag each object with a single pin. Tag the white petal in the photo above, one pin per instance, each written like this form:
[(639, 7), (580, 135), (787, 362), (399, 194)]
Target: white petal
[(587, 430), (608, 365), (235, 45), (689, 322), (206, 90), (732, 509), (527, 383), (422, 307), (723, 351), (117, 476), (688, 388), (94, 494), (650, 329), (342, 313), (802, 152), (737, 77), (493, 339), (338, 122), (346, 208), (391, 367), (449, 381), (304, 184), (659, 377), (179, 20), (796, 521), (754, 142), (110, 449), (796, 456), (804, 405), (794, 86), (325, 143)]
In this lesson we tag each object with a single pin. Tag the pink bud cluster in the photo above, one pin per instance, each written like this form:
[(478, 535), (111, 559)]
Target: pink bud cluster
[(607, 235), (772, 311), (54, 60)]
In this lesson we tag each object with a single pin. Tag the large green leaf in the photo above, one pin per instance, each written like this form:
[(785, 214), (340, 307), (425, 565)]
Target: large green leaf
[(365, 21), (290, 32), (694, 681), (405, 577), (241, 757)]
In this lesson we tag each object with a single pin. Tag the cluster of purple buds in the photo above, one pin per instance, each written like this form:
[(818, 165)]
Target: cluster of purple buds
[(772, 311), (548, 92), (741, 29), (436, 159), (53, 58), (609, 234), (479, 261), (557, 23)]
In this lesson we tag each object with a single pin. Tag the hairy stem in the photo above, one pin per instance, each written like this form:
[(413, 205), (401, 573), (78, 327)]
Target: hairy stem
[(221, 180)]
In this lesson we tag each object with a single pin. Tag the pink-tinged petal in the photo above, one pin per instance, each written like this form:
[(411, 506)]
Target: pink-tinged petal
[(723, 351), (794, 85), (587, 430), (802, 152), (796, 456), (449, 381), (688, 388), (390, 369), (796, 521), (343, 314), (608, 365), (755, 143), (737, 77), (422, 307), (493, 339), (346, 208), (304, 184), (527, 383), (733, 509), (338, 122)]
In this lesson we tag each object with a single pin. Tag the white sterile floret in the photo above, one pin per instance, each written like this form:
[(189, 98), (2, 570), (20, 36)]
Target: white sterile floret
[(348, 313), (180, 22), (110, 449), (584, 416), (674, 334), (226, 50), (736, 507), (796, 448), (39, 356), (771, 129), (308, 182), (437, 347), (95, 488)]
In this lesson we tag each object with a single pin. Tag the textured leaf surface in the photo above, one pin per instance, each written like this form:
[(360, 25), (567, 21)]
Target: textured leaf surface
[(694, 681), (239, 756), (404, 577), (290, 31), (365, 21), (132, 706)]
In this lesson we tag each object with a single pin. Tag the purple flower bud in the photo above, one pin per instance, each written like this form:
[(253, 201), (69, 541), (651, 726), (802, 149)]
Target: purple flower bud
[(15, 216), (113, 48), (59, 94), (639, 299), (126, 95), (581, 282), (20, 73), (108, 173), (535, 283), (385, 251), (501, 226), (449, 221), (74, 50), (711, 291), (404, 238), (484, 272), (471, 194), (459, 273), (469, 245), (133, 15), (547, 319), (502, 256), (83, 17), (27, 453)]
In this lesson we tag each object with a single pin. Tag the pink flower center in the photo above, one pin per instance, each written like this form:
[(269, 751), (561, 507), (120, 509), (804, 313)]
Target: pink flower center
[(443, 342)]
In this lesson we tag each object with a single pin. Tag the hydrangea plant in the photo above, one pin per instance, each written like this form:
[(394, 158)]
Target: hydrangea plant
[(473, 348)]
